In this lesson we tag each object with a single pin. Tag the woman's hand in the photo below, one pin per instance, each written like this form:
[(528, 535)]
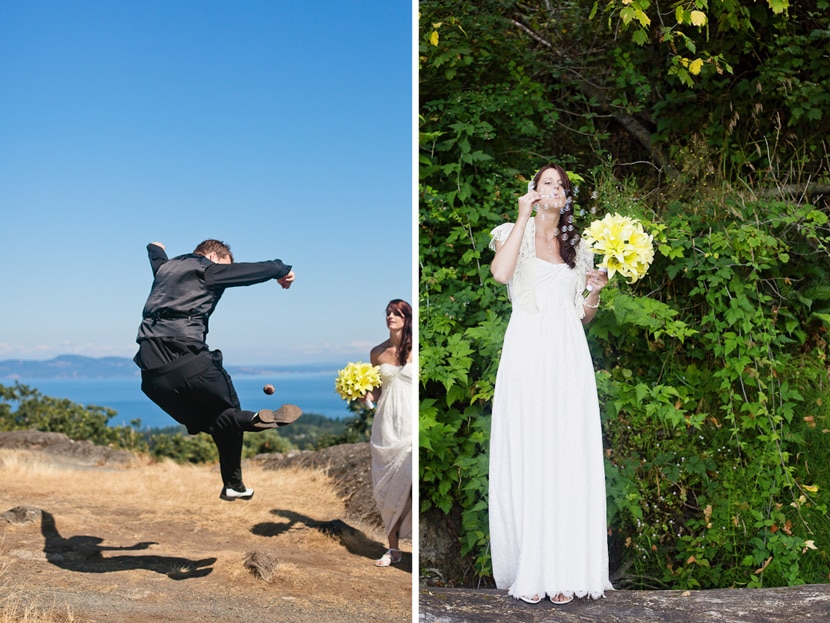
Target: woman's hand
[(369, 398), (597, 279), (526, 204)]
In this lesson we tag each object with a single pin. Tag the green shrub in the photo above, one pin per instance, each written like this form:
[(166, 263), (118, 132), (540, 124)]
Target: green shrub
[(712, 370), (24, 408), (713, 385), (34, 411)]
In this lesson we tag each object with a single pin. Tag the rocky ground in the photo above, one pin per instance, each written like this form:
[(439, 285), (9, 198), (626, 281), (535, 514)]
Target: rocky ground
[(796, 604), (89, 534)]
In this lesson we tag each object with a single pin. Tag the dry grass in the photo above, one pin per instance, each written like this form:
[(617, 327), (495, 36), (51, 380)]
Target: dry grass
[(14, 610), (174, 512), (167, 489)]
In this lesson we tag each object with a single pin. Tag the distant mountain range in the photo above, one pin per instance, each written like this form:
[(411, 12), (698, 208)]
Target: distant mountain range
[(80, 367)]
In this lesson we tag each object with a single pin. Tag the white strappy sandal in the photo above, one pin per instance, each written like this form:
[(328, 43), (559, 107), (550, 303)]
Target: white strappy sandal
[(387, 559)]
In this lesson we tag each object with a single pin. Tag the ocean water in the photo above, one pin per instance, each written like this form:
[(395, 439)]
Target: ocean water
[(313, 392)]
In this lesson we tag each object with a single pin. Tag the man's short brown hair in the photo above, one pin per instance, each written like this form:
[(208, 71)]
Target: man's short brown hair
[(218, 247)]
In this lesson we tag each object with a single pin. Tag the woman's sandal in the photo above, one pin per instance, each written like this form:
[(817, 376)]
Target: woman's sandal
[(561, 599), (531, 600), (387, 559)]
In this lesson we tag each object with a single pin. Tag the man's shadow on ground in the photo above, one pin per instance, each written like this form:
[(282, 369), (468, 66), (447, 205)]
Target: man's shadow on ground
[(351, 538), (85, 554)]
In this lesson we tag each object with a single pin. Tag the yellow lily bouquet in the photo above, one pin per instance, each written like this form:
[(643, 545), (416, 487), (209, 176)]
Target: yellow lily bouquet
[(626, 248), (356, 379)]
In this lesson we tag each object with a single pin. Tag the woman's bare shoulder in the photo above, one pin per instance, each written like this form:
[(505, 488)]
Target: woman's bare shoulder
[(377, 353)]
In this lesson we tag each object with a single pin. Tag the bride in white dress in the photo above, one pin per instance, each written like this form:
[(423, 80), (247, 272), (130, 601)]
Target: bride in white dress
[(548, 532), (391, 440)]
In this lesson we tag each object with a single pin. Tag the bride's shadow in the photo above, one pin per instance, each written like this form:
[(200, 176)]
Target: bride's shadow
[(84, 554), (351, 538)]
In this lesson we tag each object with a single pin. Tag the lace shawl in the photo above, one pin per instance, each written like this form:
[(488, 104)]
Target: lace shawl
[(520, 288)]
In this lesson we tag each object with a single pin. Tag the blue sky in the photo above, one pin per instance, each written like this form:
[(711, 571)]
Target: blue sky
[(283, 128)]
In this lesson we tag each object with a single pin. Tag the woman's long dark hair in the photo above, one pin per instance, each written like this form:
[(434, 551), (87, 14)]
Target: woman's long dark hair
[(569, 233), (403, 309)]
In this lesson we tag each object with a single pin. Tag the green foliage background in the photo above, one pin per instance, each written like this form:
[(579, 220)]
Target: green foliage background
[(712, 371)]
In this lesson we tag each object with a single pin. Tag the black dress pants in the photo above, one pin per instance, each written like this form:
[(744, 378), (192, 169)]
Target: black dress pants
[(196, 391)]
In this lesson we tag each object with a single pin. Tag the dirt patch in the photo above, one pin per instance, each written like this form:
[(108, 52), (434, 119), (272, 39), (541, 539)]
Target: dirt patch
[(90, 536), (350, 468)]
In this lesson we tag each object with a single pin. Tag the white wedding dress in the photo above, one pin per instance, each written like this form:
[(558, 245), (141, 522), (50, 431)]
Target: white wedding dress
[(548, 529), (391, 444)]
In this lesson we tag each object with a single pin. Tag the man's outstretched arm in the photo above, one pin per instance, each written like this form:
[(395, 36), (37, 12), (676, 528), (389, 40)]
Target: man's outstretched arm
[(248, 273)]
